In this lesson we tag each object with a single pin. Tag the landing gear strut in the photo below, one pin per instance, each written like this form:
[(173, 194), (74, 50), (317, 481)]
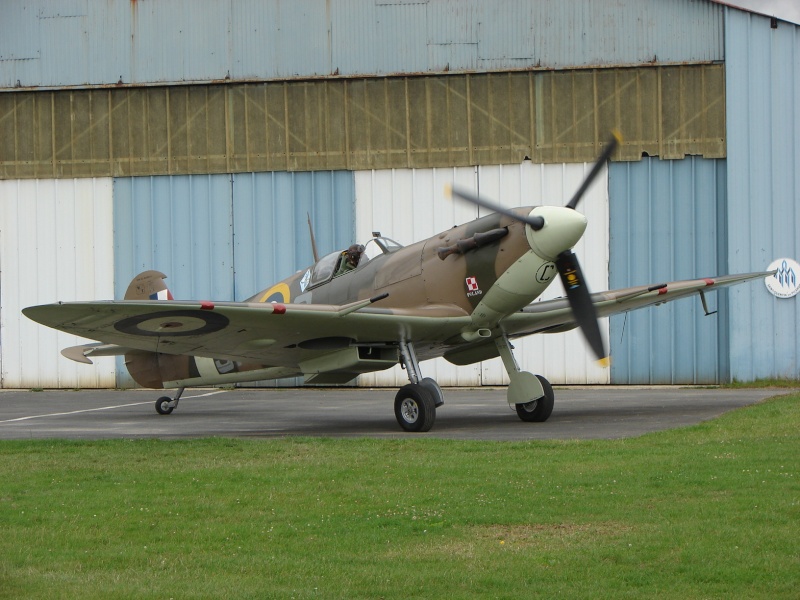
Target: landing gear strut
[(165, 405), (532, 395), (415, 403)]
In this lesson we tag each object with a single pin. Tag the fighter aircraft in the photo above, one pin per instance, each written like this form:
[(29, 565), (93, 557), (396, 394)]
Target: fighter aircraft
[(463, 294)]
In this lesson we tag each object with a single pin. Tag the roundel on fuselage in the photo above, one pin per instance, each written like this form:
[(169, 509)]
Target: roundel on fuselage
[(277, 293)]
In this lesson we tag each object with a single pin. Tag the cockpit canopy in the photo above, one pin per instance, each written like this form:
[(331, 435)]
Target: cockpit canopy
[(377, 246), (325, 268)]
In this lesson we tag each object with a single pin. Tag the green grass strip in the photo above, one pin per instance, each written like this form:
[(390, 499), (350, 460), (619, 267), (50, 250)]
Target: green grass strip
[(710, 511)]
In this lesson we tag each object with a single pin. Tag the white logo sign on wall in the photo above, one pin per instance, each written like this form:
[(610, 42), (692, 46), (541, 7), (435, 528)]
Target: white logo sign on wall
[(785, 283)]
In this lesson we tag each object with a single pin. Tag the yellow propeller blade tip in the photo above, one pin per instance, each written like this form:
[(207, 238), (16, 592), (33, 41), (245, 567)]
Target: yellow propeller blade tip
[(448, 190), (617, 135), (605, 362)]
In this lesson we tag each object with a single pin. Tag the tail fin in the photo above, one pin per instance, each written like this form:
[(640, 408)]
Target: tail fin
[(148, 286)]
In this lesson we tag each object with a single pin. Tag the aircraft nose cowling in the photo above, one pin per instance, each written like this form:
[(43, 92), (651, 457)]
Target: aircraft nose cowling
[(562, 229)]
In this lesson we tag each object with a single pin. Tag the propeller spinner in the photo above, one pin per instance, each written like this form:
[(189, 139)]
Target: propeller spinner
[(565, 232)]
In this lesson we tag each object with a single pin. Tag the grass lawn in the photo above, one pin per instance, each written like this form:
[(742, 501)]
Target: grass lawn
[(710, 511)]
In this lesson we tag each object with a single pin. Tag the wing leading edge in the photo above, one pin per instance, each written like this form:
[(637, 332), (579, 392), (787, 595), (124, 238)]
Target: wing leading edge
[(275, 334), (554, 315)]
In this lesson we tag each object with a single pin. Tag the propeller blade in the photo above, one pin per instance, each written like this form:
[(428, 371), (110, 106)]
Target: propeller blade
[(580, 302), (616, 138), (536, 223)]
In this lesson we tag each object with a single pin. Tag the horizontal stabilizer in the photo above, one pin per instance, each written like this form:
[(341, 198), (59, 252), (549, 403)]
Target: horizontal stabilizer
[(82, 353)]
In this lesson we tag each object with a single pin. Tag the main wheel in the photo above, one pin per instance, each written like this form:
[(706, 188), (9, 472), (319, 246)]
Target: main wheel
[(414, 408), (163, 405), (538, 411)]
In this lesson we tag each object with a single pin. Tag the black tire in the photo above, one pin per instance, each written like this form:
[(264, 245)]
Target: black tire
[(163, 407), (538, 411), (414, 408)]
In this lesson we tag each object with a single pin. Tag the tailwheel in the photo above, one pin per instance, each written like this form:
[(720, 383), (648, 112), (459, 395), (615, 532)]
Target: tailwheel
[(164, 405), (539, 410), (415, 408)]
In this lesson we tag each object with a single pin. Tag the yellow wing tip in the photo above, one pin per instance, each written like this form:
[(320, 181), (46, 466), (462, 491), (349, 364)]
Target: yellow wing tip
[(605, 362)]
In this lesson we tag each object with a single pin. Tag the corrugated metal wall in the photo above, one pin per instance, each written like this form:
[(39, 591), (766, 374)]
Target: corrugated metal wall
[(763, 217), (413, 122), (408, 205), (55, 244), (665, 226), (48, 43), (226, 237)]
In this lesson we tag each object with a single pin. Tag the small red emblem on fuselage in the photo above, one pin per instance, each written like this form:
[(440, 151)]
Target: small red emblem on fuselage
[(472, 287)]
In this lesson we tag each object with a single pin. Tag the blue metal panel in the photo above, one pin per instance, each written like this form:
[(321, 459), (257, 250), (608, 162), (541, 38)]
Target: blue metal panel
[(185, 226), (226, 237), (20, 33), (101, 43), (287, 39), (179, 225), (663, 217), (272, 239), (557, 35), (763, 129), (271, 213)]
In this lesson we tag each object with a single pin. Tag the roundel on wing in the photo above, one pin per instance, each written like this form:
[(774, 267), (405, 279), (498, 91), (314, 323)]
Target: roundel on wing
[(173, 323), (277, 293)]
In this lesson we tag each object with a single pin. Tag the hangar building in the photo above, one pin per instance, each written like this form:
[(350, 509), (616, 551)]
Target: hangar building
[(194, 138)]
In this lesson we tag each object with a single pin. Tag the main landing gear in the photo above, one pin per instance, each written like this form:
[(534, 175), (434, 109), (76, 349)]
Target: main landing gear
[(165, 405), (538, 411), (416, 402), (532, 395)]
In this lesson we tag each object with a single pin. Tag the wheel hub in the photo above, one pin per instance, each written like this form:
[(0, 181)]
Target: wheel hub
[(409, 410)]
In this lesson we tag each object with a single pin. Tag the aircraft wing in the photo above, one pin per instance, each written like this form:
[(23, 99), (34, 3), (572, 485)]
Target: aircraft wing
[(287, 334), (555, 315), (275, 334)]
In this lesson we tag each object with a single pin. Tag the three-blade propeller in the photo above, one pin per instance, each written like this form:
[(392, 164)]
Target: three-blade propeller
[(567, 263)]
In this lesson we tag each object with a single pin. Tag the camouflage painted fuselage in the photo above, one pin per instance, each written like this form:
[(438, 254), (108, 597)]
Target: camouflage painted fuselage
[(415, 275), (435, 274)]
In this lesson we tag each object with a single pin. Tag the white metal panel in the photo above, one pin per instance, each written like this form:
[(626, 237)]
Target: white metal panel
[(563, 358), (408, 205), (56, 243)]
